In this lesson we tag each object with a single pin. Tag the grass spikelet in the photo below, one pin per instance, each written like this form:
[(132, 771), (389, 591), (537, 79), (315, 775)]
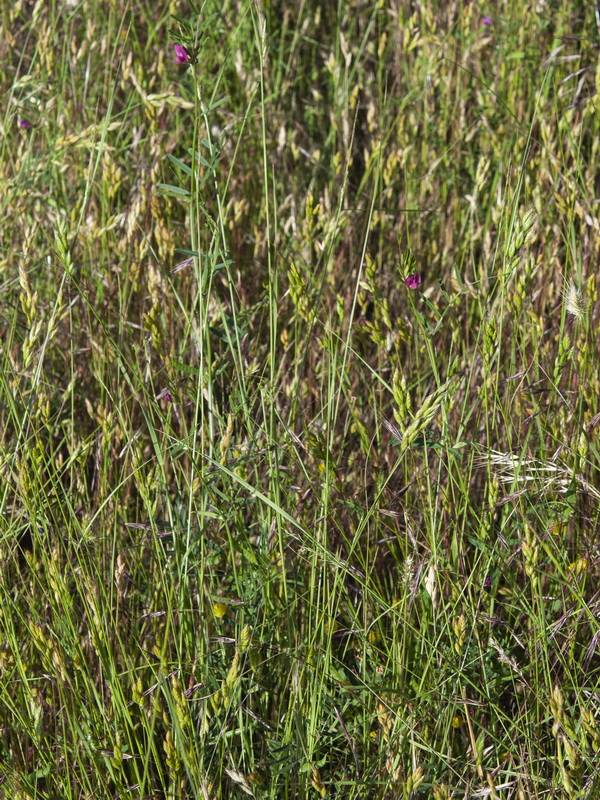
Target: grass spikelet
[(573, 300), (421, 419), (536, 474)]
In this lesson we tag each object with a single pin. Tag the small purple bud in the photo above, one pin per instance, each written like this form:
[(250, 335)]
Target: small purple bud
[(24, 124), (181, 55), (487, 583), (165, 394), (414, 281), (486, 21)]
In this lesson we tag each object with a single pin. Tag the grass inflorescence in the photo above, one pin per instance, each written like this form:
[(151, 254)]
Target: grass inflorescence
[(298, 400)]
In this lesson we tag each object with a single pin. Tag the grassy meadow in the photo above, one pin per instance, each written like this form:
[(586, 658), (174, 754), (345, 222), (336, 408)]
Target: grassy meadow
[(299, 381)]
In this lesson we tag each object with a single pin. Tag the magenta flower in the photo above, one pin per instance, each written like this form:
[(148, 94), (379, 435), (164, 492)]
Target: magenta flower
[(24, 124), (181, 55), (414, 281), (165, 394), (486, 21)]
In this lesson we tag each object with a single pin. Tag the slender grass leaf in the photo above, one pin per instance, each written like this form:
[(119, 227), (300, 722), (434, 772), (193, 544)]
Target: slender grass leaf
[(179, 163), (177, 190)]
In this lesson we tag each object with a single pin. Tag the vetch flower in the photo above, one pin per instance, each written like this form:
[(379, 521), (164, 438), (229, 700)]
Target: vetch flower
[(414, 281), (181, 55), (24, 124), (165, 394), (486, 21)]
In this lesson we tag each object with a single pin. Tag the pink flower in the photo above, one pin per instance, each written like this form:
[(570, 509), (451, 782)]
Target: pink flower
[(414, 281), (24, 124), (165, 394), (486, 21), (181, 56)]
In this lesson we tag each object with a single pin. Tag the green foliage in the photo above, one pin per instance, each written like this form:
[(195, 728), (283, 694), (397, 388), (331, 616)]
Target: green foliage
[(273, 522)]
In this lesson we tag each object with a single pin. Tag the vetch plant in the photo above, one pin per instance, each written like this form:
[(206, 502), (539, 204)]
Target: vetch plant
[(414, 281), (181, 54)]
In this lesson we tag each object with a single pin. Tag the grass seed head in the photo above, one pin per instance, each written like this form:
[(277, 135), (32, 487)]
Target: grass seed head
[(573, 300)]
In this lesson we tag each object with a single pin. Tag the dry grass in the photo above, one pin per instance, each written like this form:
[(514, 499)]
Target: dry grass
[(278, 517)]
